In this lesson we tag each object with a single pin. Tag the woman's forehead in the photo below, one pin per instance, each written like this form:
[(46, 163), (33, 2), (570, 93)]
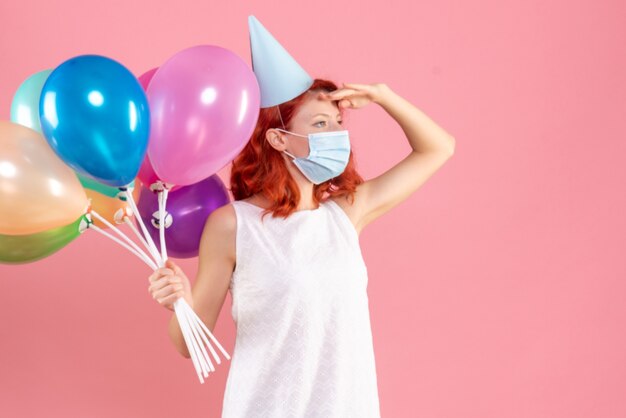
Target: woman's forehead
[(313, 107)]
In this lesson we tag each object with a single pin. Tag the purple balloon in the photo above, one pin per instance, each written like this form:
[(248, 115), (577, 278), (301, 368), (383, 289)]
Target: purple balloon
[(189, 207), (204, 105)]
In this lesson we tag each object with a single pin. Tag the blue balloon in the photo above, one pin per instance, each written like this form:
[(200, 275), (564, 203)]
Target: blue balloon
[(95, 115)]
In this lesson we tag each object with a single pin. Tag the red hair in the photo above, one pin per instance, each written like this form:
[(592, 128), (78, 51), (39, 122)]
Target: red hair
[(260, 168)]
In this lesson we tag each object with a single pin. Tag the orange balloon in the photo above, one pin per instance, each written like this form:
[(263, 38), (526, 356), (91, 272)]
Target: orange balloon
[(38, 191), (107, 206)]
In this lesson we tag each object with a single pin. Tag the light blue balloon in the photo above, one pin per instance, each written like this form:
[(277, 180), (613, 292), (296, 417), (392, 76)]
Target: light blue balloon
[(95, 116), (25, 105)]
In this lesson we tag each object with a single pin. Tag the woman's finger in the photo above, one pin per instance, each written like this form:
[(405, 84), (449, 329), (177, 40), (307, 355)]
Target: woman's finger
[(154, 276), (345, 103), (337, 94), (160, 272), (167, 290), (357, 86), (170, 299), (177, 270), (161, 283), (165, 281)]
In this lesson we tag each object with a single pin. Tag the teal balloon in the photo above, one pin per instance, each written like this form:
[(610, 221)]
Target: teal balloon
[(91, 184), (95, 116), (25, 104)]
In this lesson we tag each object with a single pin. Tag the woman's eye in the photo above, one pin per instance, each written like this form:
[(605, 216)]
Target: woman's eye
[(340, 122)]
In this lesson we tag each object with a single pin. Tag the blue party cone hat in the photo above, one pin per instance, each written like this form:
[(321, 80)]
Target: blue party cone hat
[(279, 76)]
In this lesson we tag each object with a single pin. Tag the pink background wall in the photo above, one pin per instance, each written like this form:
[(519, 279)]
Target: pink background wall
[(496, 290)]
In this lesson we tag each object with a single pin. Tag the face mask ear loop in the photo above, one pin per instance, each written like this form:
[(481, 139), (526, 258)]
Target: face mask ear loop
[(281, 118), (283, 123)]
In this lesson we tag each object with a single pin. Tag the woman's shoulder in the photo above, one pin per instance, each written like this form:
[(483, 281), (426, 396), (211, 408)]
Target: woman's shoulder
[(226, 213), (222, 221)]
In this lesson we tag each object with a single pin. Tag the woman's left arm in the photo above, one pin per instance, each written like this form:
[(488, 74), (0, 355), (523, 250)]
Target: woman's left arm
[(431, 147)]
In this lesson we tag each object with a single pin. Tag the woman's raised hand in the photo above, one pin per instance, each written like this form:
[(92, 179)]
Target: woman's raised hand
[(355, 96), (169, 283)]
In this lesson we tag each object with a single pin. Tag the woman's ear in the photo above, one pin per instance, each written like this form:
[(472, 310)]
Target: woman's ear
[(275, 139)]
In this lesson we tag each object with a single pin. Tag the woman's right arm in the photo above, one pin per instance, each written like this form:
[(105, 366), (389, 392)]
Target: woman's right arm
[(216, 262)]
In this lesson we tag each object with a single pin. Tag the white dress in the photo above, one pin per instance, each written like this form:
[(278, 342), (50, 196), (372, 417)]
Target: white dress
[(304, 342)]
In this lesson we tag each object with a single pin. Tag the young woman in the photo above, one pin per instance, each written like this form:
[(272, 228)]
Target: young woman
[(288, 250)]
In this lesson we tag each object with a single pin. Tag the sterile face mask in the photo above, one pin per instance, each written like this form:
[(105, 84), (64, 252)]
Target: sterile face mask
[(328, 157)]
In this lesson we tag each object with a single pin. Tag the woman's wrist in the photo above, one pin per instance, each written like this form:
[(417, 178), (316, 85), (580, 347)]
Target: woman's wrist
[(189, 300), (384, 93)]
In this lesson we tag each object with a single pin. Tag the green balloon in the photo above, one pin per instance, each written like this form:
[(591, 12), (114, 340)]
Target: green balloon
[(20, 249)]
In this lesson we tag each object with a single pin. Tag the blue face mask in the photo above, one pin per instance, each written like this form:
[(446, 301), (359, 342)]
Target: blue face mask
[(328, 157)]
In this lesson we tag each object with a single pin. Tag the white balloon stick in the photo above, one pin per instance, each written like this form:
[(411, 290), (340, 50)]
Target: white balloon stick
[(194, 329), (144, 258), (120, 233), (154, 250)]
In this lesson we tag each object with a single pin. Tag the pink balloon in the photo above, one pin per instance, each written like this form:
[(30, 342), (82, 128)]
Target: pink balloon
[(204, 105)]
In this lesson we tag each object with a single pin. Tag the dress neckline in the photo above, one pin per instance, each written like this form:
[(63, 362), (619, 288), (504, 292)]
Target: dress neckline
[(298, 211)]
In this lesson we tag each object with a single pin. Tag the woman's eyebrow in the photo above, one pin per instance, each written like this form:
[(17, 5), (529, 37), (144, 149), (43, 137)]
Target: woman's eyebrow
[(325, 114)]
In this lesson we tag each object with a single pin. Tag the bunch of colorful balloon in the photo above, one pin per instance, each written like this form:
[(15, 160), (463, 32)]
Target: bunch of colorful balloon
[(81, 136)]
